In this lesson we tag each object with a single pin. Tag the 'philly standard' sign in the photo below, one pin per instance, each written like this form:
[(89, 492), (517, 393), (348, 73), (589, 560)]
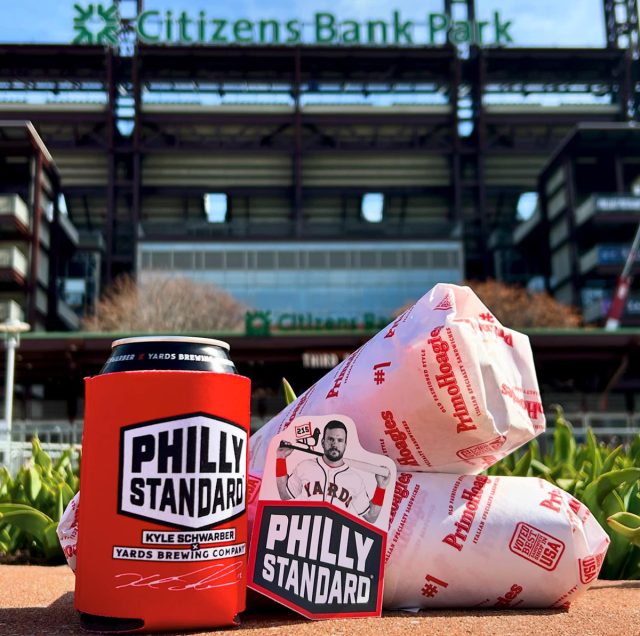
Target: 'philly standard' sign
[(100, 24)]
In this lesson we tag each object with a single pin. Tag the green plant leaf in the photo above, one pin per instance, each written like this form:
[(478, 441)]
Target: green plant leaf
[(534, 447), (596, 492), (626, 524), (540, 469), (6, 484), (51, 544), (34, 523), (43, 460), (631, 569), (46, 497), (26, 518), (59, 504), (64, 461), (610, 460), (67, 493), (633, 502), (568, 485), (564, 443), (36, 447), (289, 395), (521, 469), (33, 483), (594, 455), (634, 450), (11, 537), (603, 500)]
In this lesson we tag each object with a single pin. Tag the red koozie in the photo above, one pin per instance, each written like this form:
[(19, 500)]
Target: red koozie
[(162, 526)]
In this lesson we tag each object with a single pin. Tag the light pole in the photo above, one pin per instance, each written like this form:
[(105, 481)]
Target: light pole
[(11, 330)]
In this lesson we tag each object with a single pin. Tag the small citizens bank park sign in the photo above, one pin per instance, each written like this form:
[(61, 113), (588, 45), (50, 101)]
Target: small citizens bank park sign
[(97, 23)]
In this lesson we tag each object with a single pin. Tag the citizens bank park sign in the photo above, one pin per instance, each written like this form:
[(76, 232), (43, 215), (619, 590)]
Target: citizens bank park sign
[(96, 23)]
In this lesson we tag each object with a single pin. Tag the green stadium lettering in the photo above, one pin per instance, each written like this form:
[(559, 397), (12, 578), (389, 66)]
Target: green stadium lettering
[(181, 27)]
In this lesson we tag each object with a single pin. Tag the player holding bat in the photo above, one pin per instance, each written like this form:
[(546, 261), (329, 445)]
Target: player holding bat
[(329, 477)]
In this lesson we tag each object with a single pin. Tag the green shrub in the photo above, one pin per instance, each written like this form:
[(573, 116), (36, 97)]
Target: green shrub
[(606, 480), (32, 502)]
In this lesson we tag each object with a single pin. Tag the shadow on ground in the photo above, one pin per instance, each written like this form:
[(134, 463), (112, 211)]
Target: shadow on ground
[(61, 617), (58, 618), (626, 585)]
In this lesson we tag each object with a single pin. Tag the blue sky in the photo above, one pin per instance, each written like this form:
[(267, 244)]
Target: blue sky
[(535, 22)]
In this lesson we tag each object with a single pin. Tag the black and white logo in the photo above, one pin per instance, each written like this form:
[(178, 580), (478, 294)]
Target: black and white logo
[(317, 560), (185, 472)]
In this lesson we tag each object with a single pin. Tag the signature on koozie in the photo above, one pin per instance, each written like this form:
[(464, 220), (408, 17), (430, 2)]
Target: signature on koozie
[(212, 576)]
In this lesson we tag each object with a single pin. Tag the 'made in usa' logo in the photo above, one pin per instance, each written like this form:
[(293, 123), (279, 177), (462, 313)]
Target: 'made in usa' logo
[(96, 24), (184, 472)]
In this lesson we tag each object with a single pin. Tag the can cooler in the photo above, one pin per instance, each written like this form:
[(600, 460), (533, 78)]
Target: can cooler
[(162, 529)]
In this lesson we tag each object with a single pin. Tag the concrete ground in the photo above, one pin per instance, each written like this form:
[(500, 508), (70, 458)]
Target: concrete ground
[(39, 600)]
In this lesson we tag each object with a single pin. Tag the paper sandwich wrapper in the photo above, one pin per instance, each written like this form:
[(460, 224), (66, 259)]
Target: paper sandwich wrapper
[(488, 542), (444, 388)]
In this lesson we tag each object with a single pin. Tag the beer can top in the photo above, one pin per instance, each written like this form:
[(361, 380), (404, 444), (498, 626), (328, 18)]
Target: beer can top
[(169, 353), (138, 339)]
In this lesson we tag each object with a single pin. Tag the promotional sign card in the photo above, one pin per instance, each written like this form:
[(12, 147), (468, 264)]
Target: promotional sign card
[(320, 531)]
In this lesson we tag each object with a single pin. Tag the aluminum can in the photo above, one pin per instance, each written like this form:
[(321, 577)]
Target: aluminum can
[(162, 529), (169, 353)]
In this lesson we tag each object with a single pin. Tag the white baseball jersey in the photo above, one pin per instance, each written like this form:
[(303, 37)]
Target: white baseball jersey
[(343, 486)]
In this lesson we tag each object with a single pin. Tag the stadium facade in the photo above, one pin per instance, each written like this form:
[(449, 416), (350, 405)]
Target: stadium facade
[(334, 179), (289, 173)]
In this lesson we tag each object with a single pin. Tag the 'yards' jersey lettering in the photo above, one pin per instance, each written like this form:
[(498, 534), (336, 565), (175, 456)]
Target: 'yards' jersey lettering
[(343, 486)]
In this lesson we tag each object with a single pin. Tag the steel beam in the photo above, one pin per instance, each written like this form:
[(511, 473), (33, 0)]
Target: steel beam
[(35, 238), (111, 169), (297, 149), (136, 159)]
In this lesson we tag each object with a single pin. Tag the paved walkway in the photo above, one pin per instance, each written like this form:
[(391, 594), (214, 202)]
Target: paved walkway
[(38, 600)]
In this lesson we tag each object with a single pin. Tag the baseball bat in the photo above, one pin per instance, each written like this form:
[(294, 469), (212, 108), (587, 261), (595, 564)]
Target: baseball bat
[(356, 463)]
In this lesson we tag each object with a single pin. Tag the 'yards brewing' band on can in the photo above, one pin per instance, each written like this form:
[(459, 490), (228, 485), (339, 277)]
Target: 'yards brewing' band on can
[(169, 353), (162, 525)]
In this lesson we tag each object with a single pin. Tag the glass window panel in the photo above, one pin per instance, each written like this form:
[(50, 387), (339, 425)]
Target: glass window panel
[(368, 259), (338, 260), (441, 259), (266, 260), (213, 260), (183, 260), (236, 260), (287, 260), (317, 260), (161, 260), (389, 259)]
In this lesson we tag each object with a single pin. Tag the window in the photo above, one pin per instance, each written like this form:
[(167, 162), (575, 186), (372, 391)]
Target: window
[(215, 207), (288, 260), (161, 260), (214, 260), (62, 205), (527, 204), (372, 207), (317, 260), (183, 260), (236, 260), (74, 292)]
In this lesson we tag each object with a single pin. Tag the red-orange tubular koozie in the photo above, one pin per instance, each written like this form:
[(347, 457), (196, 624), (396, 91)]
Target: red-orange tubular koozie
[(162, 526)]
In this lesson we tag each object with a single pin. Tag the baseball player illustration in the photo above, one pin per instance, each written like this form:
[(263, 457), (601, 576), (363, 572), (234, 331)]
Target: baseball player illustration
[(330, 476)]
